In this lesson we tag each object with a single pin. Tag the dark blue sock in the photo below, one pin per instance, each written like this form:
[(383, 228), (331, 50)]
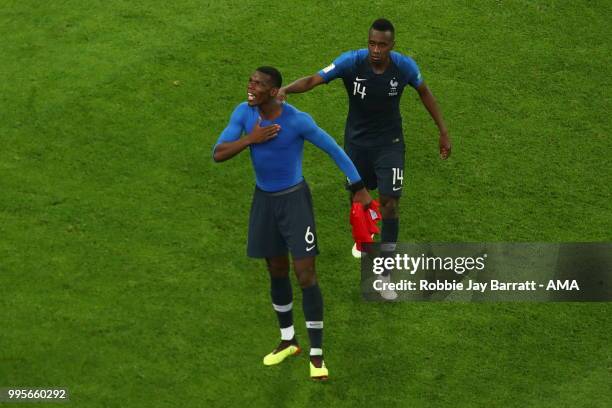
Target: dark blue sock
[(390, 230), (388, 238), (312, 303), (282, 301)]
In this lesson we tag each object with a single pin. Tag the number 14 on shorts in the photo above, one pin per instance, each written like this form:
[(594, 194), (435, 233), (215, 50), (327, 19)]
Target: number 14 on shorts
[(398, 178)]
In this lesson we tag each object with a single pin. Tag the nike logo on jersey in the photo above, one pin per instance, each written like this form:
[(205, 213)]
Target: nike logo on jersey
[(360, 79), (308, 249), (397, 188)]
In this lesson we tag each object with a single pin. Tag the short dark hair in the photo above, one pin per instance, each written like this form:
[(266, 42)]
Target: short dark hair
[(277, 78), (382, 24)]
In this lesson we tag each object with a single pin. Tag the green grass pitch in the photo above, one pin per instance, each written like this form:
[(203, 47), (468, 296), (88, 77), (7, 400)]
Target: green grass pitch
[(123, 273)]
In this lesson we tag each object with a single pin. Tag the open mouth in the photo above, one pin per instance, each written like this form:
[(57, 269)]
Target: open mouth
[(250, 97)]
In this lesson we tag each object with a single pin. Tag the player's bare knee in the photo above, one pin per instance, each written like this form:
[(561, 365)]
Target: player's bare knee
[(278, 272), (278, 267), (306, 275), (307, 279)]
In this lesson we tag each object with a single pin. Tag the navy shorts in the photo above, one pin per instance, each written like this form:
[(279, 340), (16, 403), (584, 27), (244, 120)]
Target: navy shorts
[(282, 222), (380, 168)]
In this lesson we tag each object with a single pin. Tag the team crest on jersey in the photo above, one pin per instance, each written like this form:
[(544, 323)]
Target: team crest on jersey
[(393, 84)]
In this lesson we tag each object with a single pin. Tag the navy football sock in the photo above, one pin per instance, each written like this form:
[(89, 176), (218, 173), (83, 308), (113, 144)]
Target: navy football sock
[(282, 301), (388, 238), (390, 230), (312, 303)]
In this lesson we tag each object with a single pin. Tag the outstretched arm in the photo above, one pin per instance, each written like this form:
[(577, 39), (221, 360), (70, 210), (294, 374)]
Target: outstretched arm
[(325, 142), (429, 101), (301, 85), (336, 69)]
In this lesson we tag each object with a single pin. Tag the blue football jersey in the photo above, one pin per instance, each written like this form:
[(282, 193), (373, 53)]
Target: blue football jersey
[(374, 117), (278, 162)]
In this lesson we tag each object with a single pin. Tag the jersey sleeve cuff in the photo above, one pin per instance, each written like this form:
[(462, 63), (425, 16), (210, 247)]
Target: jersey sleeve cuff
[(356, 186), (323, 75)]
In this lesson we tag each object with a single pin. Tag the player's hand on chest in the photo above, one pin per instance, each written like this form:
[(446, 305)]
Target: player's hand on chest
[(284, 137)]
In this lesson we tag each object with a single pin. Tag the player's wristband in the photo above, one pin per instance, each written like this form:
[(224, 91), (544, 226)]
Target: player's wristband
[(355, 187)]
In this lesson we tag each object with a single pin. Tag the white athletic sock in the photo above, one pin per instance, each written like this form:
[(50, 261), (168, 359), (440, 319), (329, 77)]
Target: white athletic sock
[(287, 333)]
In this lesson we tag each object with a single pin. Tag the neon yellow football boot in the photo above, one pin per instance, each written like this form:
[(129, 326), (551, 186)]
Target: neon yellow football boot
[(319, 374), (277, 357)]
